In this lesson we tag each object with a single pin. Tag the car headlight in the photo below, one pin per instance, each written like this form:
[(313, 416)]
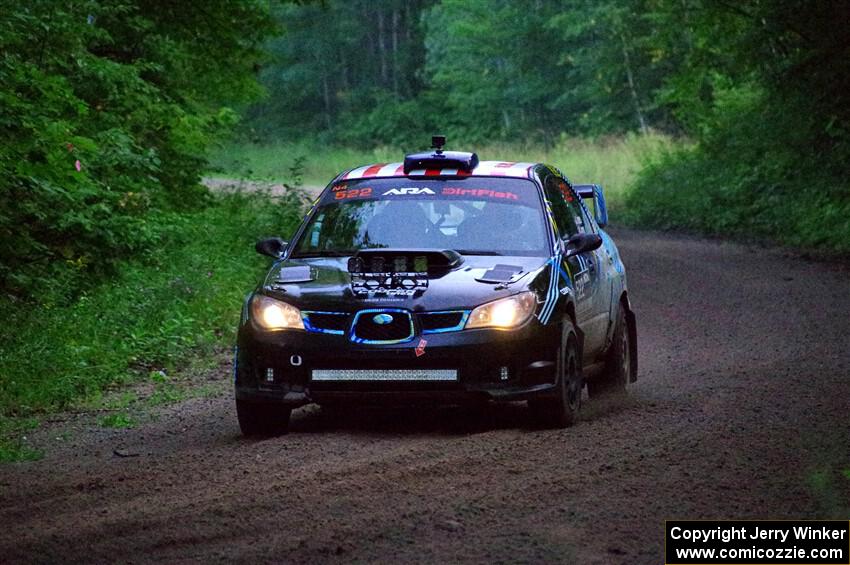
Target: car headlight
[(273, 314), (506, 313)]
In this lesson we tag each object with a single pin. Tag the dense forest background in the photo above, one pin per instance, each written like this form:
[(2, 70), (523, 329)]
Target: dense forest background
[(116, 261), (109, 107), (759, 89)]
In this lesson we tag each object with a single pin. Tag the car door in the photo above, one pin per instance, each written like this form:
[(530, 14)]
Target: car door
[(582, 268), (602, 294)]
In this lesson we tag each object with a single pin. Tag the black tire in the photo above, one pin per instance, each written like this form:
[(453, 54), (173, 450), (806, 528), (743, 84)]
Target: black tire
[(614, 378), (258, 419), (561, 410)]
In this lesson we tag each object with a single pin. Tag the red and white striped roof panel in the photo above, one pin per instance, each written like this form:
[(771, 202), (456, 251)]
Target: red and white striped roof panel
[(484, 169)]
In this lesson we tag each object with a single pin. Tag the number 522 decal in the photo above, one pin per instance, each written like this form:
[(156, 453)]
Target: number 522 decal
[(353, 193)]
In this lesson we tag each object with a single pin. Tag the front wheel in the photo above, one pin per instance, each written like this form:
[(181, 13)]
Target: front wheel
[(561, 410), (260, 419)]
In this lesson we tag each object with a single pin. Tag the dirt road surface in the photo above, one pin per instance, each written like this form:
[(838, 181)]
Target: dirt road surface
[(741, 411)]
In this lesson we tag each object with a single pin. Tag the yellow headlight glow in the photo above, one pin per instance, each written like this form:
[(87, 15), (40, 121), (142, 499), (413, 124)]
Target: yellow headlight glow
[(505, 313), (273, 314)]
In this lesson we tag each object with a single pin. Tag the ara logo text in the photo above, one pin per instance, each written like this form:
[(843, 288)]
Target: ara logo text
[(412, 190)]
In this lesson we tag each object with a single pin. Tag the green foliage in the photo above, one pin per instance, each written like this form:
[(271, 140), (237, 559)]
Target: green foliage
[(340, 67), (772, 118), (185, 297), (489, 63), (106, 110), (759, 86), (388, 72), (118, 420), (14, 449), (13, 440)]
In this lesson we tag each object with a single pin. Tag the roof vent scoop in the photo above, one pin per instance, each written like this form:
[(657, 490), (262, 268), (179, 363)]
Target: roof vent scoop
[(440, 159)]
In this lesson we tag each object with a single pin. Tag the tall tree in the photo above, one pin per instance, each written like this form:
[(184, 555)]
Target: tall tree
[(106, 109)]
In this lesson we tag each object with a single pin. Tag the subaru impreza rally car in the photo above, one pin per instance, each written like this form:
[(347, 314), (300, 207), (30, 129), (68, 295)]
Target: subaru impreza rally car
[(442, 279)]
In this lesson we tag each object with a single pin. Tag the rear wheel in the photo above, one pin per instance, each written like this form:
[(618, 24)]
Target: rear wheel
[(561, 410), (615, 377), (259, 419)]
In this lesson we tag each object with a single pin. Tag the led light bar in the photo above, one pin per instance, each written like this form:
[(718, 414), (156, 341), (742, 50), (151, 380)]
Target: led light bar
[(421, 375)]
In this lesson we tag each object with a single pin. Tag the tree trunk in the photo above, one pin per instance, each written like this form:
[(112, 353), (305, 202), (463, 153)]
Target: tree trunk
[(346, 83), (382, 48), (506, 120), (408, 23), (395, 51), (326, 95), (631, 80)]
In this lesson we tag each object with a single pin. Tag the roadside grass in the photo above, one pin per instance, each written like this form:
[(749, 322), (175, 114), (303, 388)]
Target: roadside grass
[(160, 319), (612, 161), (718, 193), (118, 420)]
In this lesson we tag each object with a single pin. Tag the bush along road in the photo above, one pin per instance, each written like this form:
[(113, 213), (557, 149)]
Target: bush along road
[(740, 412)]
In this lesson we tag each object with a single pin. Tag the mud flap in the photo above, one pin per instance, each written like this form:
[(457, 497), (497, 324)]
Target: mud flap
[(631, 324)]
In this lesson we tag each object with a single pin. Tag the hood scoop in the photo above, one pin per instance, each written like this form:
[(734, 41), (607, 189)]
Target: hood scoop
[(404, 261), (301, 274), (500, 274), (398, 272)]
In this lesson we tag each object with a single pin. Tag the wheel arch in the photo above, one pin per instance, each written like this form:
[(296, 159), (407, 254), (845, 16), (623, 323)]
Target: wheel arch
[(631, 325), (570, 313)]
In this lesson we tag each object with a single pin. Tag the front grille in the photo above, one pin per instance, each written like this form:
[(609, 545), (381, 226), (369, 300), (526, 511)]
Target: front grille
[(436, 322), (396, 326), (326, 322)]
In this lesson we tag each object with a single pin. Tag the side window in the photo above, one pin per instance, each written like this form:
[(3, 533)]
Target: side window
[(579, 211), (588, 219), (311, 237), (564, 217)]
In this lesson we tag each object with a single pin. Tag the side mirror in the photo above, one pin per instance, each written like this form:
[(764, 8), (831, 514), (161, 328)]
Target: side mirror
[(582, 243), (600, 211), (272, 246)]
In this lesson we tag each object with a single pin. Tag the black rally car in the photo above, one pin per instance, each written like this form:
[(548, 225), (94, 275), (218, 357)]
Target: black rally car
[(441, 279)]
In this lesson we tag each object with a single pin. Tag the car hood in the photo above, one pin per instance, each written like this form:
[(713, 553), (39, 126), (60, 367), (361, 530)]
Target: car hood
[(325, 284)]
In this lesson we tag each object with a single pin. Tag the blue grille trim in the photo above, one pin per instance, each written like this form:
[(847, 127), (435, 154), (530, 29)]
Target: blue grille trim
[(460, 326), (353, 336), (305, 317)]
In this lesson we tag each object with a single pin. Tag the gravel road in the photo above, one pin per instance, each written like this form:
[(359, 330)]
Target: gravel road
[(741, 411)]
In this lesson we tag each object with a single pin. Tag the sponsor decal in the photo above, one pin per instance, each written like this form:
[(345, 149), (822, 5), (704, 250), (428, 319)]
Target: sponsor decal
[(369, 285), (557, 273), (388, 276), (408, 190), (582, 280), (420, 348), (565, 190), (354, 193), (478, 192)]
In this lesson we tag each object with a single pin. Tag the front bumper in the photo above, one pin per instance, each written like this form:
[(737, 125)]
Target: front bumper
[(491, 365)]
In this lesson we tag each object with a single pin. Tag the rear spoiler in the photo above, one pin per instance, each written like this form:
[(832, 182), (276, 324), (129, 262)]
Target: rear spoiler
[(594, 192)]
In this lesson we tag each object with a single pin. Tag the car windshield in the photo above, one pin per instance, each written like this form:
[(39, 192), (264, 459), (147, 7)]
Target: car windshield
[(474, 216)]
